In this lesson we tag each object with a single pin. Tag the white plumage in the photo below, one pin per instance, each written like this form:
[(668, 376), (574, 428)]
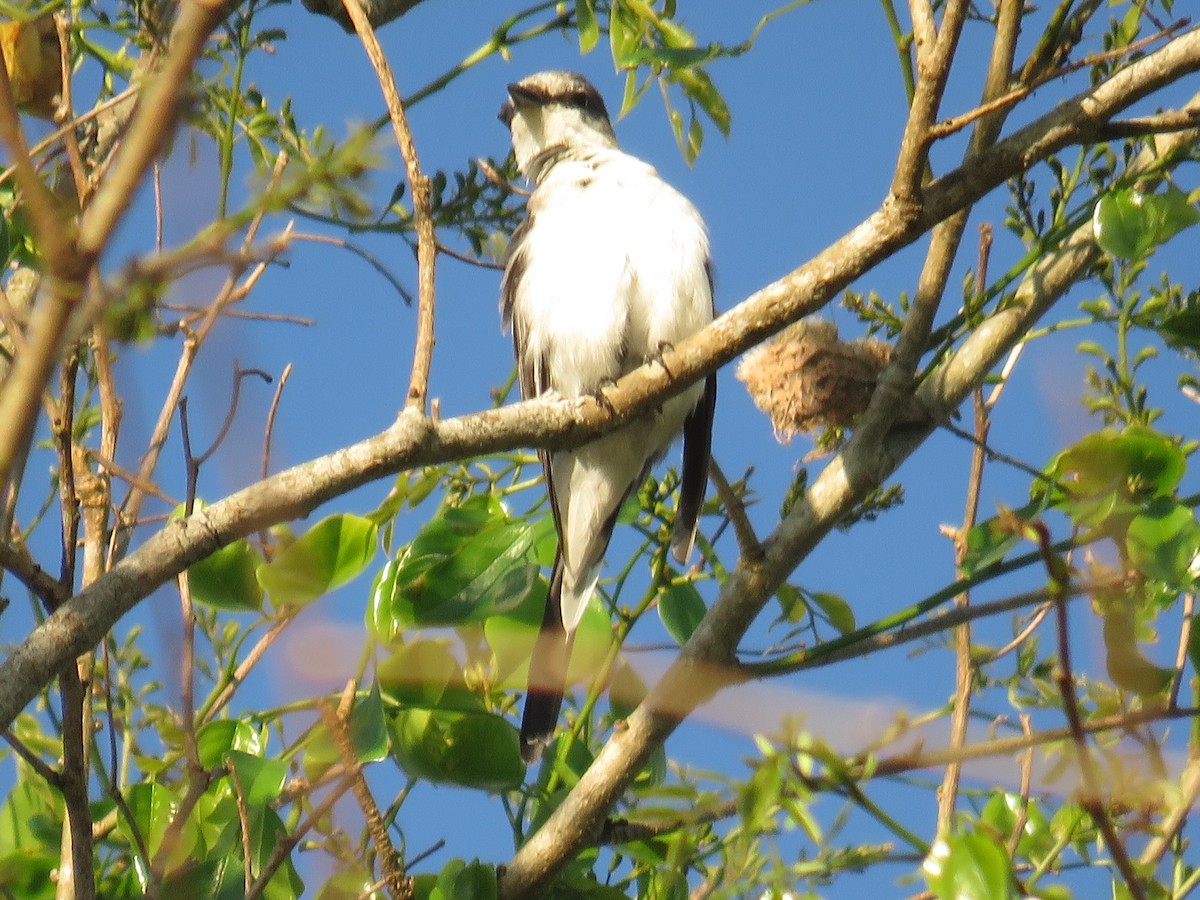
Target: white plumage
[(610, 267)]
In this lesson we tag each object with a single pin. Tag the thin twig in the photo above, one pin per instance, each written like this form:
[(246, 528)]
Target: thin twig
[(366, 256), (285, 845), (336, 722), (1181, 652), (418, 388), (748, 544), (50, 775), (964, 668), (1091, 799), (244, 815), (1168, 121)]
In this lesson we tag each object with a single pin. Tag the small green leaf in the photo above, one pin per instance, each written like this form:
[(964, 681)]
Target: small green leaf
[(624, 35), (1193, 647), (1135, 460), (1181, 330), (1128, 223), (474, 750), (214, 739), (585, 22), (471, 562), (227, 579), (973, 865), (424, 672), (681, 609), (328, 555), (460, 880), (1163, 540), (261, 779), (837, 610), (512, 634), (368, 735), (1127, 667)]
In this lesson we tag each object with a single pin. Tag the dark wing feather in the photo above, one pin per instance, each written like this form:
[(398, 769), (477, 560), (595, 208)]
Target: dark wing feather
[(697, 447)]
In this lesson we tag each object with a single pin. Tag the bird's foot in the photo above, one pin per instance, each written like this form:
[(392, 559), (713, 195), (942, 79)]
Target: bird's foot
[(601, 398), (657, 356)]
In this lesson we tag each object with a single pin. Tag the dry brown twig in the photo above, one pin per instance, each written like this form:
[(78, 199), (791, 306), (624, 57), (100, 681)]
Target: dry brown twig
[(418, 183), (337, 723)]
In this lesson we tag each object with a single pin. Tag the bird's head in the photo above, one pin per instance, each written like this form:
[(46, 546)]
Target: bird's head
[(551, 109)]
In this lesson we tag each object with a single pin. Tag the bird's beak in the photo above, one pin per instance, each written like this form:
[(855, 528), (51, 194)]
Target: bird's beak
[(507, 111)]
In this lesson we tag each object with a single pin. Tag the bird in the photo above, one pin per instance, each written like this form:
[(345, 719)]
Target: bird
[(610, 267)]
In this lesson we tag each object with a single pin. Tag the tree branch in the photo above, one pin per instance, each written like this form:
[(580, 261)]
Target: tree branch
[(414, 440)]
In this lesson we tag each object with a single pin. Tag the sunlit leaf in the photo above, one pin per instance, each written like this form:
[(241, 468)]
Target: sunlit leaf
[(469, 749), (367, 731), (511, 637), (1128, 223), (586, 24), (1162, 541), (226, 579), (973, 865), (471, 562), (1129, 669), (331, 553), (681, 609), (837, 610)]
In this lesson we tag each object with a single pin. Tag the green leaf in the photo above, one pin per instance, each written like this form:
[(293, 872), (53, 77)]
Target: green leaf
[(471, 562), (1128, 223), (1193, 648), (586, 24), (425, 673), (972, 865), (624, 35), (837, 610), (328, 555), (28, 874), (1181, 330), (663, 884), (368, 735), (227, 578), (460, 880), (354, 882), (215, 739), (1107, 469), (1163, 540), (990, 541), (1127, 667), (31, 818), (153, 807), (469, 749), (261, 779), (511, 637), (681, 609)]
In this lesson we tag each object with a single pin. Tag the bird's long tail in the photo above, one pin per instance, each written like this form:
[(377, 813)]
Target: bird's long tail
[(547, 673)]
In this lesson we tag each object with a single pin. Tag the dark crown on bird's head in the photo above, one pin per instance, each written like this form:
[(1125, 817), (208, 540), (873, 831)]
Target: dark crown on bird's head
[(569, 89)]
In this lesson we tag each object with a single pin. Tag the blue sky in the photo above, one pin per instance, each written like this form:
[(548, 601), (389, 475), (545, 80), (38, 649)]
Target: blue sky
[(818, 109)]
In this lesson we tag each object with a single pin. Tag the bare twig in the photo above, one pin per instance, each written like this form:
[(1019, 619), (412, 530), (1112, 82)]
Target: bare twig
[(286, 844), (964, 669), (748, 543), (244, 817), (418, 388), (934, 57), (50, 775), (1092, 793), (269, 429), (391, 869)]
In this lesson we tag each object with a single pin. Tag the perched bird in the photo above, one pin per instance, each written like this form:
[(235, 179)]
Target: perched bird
[(610, 266)]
